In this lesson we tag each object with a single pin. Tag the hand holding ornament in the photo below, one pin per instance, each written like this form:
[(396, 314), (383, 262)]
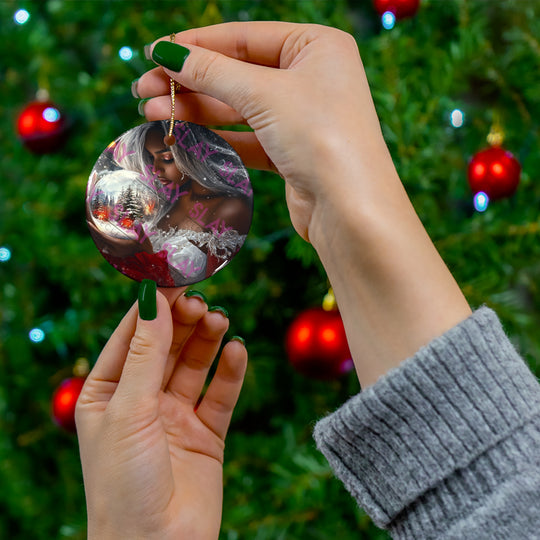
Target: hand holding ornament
[(303, 91), (152, 454)]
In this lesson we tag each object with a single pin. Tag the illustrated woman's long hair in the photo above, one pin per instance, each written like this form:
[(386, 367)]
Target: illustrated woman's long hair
[(197, 160)]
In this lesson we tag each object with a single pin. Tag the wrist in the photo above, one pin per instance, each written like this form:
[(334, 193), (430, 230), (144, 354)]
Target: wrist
[(394, 292), (356, 195)]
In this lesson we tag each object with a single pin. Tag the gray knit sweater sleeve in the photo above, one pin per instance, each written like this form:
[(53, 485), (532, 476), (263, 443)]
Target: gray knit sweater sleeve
[(447, 445)]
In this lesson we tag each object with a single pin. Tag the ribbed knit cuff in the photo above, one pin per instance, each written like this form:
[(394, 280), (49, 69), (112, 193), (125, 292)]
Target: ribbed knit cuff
[(437, 432)]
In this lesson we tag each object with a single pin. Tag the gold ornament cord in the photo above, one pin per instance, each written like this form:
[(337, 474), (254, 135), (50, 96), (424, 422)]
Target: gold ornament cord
[(170, 139)]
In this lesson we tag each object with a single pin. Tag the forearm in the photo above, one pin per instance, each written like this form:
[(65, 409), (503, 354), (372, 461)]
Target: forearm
[(394, 292)]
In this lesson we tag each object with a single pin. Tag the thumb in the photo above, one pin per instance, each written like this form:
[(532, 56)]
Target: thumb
[(227, 79), (144, 368)]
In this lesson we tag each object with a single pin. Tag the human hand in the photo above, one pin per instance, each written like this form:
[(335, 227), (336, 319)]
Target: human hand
[(151, 455), (303, 91)]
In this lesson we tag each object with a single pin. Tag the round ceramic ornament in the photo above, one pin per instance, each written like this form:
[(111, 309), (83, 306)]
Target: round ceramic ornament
[(169, 201)]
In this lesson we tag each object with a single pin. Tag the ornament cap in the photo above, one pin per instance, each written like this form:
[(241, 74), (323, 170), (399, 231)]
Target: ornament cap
[(81, 367), (329, 301), (495, 137), (42, 95), (496, 134)]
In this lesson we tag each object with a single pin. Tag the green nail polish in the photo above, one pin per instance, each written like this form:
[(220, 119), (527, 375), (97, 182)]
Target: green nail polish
[(222, 310), (147, 300), (140, 106), (134, 91), (196, 294), (170, 55), (240, 339), (148, 51)]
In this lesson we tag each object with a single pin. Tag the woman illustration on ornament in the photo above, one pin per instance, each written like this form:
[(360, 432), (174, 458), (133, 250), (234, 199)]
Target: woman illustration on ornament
[(175, 214)]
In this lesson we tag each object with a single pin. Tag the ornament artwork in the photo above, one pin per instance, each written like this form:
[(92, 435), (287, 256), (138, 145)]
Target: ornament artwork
[(169, 201), (317, 346), (64, 400), (495, 172), (42, 127), (399, 8), (175, 213)]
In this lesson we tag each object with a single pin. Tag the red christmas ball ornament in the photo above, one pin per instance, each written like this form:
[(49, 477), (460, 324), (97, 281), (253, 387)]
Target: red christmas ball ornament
[(494, 171), (400, 8), (64, 401), (42, 127), (317, 346)]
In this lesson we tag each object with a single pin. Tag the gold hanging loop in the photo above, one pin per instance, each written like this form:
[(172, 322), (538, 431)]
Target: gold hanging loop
[(170, 139)]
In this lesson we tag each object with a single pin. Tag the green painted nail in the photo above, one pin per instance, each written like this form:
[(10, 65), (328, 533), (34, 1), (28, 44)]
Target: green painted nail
[(222, 310), (170, 55), (196, 294), (148, 51), (141, 105), (147, 300), (240, 339), (134, 91)]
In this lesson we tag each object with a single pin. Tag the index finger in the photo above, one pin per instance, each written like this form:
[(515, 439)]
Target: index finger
[(257, 42)]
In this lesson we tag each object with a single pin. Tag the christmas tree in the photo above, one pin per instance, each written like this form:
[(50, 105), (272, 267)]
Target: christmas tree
[(442, 80)]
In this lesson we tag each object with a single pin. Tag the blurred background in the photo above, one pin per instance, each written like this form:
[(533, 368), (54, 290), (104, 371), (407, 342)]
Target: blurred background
[(444, 76)]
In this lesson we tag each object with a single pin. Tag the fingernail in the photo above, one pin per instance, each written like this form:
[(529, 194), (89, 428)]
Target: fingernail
[(134, 91), (170, 55), (140, 106), (148, 51), (196, 294), (221, 310), (240, 339), (147, 300)]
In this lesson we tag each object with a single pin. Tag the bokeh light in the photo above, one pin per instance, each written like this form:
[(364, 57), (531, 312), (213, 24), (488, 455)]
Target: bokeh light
[(388, 20), (51, 114), (5, 254), (21, 16), (457, 118), (37, 335), (481, 201), (125, 53)]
